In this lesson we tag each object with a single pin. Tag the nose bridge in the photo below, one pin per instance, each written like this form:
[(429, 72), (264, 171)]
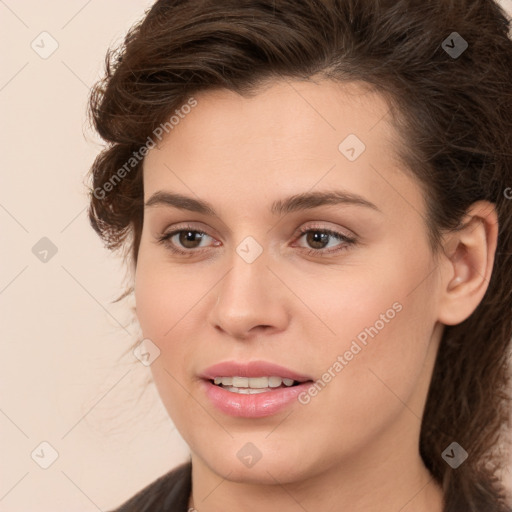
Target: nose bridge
[(248, 296), (247, 281), (245, 275)]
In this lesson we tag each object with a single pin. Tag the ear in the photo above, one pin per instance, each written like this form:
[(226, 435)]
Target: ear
[(466, 263)]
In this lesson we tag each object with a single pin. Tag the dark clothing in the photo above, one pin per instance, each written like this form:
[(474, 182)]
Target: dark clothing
[(169, 493)]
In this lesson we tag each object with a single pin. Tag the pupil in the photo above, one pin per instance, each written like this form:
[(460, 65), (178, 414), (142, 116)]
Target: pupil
[(318, 238), (187, 237)]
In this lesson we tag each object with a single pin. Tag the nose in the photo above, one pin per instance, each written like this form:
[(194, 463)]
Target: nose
[(250, 301)]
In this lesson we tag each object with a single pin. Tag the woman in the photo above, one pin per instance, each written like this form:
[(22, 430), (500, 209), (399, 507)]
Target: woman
[(314, 198)]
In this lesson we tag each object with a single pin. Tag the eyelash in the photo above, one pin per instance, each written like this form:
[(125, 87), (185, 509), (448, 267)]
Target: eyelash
[(165, 240)]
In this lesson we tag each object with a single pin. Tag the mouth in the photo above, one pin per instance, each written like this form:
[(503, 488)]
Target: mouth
[(253, 385), (252, 390)]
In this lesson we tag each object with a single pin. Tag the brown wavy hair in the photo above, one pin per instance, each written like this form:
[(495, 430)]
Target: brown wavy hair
[(453, 115)]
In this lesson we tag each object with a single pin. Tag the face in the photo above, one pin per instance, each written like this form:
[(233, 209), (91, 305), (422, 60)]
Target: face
[(261, 273)]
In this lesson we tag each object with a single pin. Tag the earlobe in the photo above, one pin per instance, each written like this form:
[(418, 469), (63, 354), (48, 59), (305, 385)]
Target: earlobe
[(467, 263)]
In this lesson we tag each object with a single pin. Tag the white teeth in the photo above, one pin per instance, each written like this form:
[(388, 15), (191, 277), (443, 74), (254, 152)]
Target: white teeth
[(274, 382), (239, 382), (252, 383), (258, 382), (246, 391)]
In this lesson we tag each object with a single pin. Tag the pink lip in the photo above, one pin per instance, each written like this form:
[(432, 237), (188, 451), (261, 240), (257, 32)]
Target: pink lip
[(257, 405), (251, 369)]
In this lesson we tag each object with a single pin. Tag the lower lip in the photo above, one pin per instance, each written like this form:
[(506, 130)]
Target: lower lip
[(253, 406)]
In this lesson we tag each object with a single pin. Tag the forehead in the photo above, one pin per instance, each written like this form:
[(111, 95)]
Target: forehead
[(283, 117), (282, 140)]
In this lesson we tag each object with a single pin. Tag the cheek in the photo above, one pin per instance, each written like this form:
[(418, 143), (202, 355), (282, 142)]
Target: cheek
[(167, 303), (383, 323), (160, 304), (165, 296)]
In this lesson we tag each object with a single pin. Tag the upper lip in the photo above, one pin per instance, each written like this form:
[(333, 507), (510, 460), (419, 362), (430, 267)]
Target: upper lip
[(251, 369)]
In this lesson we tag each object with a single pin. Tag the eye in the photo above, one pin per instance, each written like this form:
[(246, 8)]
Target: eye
[(188, 241), (187, 237), (319, 238)]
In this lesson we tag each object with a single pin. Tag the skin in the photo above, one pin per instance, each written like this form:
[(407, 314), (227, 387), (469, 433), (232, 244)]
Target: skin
[(356, 442)]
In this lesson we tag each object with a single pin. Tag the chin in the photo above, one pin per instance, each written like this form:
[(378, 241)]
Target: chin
[(270, 469)]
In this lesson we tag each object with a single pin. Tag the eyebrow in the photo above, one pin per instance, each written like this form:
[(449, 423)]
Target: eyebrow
[(297, 202)]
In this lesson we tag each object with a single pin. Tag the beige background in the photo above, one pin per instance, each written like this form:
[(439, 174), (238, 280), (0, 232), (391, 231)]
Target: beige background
[(61, 378)]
